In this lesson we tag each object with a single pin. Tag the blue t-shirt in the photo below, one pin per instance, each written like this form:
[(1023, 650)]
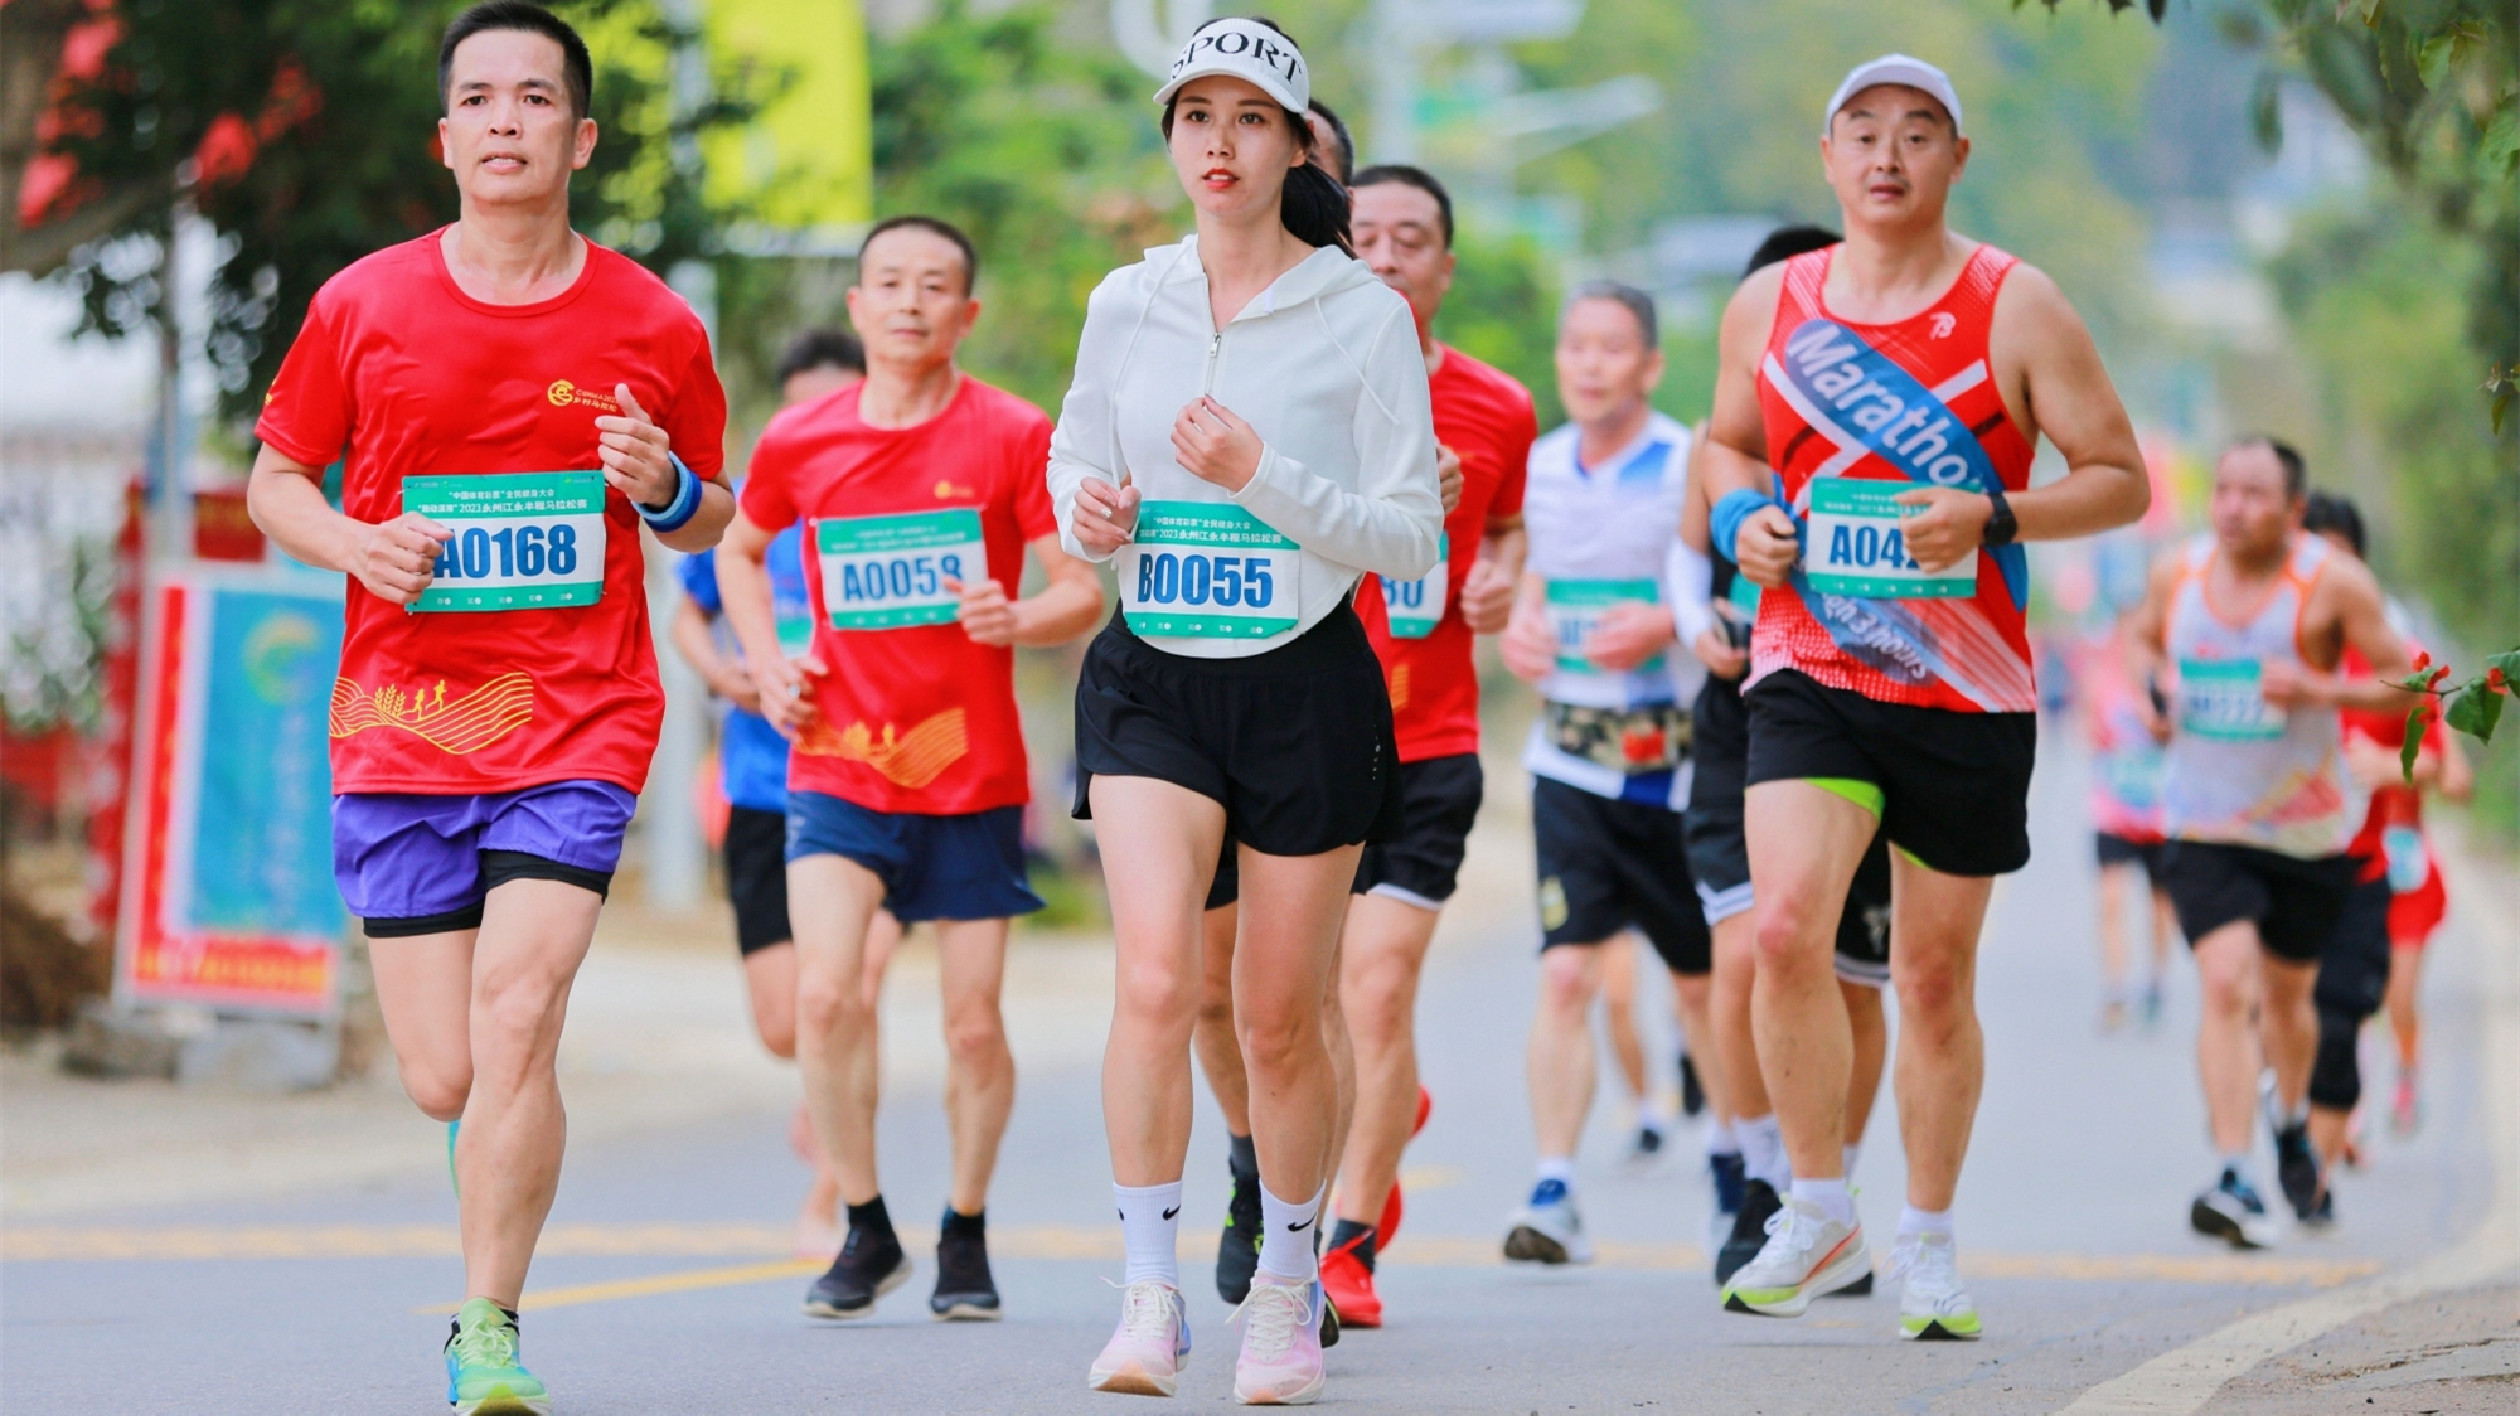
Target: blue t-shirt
[(752, 757)]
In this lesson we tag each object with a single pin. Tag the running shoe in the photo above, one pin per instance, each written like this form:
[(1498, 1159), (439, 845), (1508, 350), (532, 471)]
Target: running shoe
[(1692, 1090), (2404, 1113), (1759, 1204), (1150, 1347), (1238, 1248), (2297, 1169), (1645, 1146), (483, 1375), (1806, 1254), (1280, 1363), (1548, 1230), (1387, 1227), (2230, 1210), (1349, 1285), (1933, 1307), (1725, 1177), (2323, 1214), (2152, 1005), (871, 1264), (965, 1290)]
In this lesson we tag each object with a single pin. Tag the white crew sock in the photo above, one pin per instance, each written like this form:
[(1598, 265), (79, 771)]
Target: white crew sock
[(1850, 1153), (1720, 1139), (1286, 1235), (1914, 1222), (1832, 1196), (1150, 1224), (1763, 1150), (1560, 1168)]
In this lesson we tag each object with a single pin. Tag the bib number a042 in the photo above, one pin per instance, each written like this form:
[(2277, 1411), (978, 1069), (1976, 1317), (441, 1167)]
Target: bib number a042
[(2222, 699), (1575, 610), (523, 541), (888, 572), (1207, 570), (1415, 607), (1855, 546)]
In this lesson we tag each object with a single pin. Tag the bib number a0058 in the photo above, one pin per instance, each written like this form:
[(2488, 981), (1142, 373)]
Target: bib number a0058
[(1854, 546), (1207, 570), (1415, 607), (888, 572), (1575, 610), (2222, 699), (523, 540)]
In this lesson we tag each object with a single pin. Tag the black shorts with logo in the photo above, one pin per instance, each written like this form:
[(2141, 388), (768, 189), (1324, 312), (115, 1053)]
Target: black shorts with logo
[(1607, 865), (2296, 902), (1955, 787), (756, 877)]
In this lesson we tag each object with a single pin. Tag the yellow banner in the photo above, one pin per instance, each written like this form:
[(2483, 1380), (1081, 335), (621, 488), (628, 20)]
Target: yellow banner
[(806, 163)]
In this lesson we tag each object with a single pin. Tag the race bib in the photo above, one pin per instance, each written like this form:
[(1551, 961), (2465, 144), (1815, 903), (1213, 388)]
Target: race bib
[(523, 541), (2410, 864), (1206, 570), (1417, 606), (887, 572), (1854, 546), (796, 635), (1575, 609), (2220, 699), (2134, 778)]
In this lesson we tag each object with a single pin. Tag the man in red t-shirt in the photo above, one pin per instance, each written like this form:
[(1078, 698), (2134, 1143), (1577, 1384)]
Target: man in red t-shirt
[(509, 401), (920, 488)]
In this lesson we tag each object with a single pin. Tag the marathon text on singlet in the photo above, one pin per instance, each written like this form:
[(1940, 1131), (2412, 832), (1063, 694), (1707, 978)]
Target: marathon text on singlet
[(1856, 546), (1207, 570), (1575, 609), (1415, 607), (522, 541), (884, 572), (2222, 699)]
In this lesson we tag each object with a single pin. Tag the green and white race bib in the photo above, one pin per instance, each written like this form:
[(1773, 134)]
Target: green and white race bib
[(1854, 546), (523, 540), (885, 572), (1575, 608), (796, 635), (1415, 607), (1207, 570), (2221, 699)]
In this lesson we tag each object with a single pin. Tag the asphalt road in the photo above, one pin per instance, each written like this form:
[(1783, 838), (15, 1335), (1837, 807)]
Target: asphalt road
[(665, 1286)]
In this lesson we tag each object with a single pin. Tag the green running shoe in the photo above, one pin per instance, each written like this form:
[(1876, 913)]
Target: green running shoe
[(483, 1375)]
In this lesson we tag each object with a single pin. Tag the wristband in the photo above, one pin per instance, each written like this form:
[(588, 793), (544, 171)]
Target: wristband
[(1730, 510), (684, 506)]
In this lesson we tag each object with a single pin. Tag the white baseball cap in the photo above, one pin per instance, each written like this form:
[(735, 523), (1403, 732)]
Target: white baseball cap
[(1894, 69), (1246, 50)]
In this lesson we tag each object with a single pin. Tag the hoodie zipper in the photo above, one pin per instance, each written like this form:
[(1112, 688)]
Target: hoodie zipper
[(1207, 384)]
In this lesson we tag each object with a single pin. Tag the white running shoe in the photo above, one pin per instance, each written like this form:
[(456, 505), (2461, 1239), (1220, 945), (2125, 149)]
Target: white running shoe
[(1548, 1230), (1806, 1254), (1150, 1347), (1280, 1363), (1934, 1306)]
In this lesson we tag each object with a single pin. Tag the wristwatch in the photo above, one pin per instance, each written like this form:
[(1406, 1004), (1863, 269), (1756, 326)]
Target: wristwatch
[(2000, 526)]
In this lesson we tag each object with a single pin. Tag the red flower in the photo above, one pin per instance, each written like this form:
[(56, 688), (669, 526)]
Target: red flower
[(2423, 661), (2494, 680), (2440, 672)]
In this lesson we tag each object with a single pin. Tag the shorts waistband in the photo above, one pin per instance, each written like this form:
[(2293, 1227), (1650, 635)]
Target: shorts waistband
[(1332, 643)]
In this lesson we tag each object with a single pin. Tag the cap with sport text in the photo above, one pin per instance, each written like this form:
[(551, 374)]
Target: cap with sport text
[(1246, 50), (1894, 69)]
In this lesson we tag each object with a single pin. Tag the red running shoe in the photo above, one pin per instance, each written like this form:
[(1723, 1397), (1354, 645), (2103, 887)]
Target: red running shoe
[(1388, 1226), (1351, 1288)]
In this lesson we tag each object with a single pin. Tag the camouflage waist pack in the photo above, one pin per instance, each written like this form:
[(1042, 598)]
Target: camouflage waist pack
[(1653, 738)]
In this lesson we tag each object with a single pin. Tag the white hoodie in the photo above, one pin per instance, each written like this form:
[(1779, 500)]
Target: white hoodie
[(1324, 365)]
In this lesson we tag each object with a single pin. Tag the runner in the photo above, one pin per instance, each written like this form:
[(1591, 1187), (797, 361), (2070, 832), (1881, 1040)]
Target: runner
[(1609, 752), (1745, 1148), (752, 774), (1654, 1117), (2244, 630), (498, 701), (1891, 688), (1237, 694), (1422, 631), (920, 488), (2126, 825)]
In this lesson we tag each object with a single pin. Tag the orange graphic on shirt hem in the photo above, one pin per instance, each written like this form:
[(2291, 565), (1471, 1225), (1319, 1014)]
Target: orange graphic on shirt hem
[(465, 724), (908, 760), (1399, 688)]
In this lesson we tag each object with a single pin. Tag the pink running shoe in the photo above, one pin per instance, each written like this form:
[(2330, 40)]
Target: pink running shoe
[(1280, 1363), (1150, 1347)]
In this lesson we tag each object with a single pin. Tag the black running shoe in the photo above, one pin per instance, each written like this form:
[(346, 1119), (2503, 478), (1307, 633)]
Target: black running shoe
[(1238, 1248), (2297, 1169), (1749, 1232), (964, 1290), (1730, 1182), (1860, 1288), (1692, 1091), (870, 1265)]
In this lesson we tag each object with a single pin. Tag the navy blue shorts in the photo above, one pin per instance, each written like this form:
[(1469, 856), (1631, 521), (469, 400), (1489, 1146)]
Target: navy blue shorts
[(933, 867)]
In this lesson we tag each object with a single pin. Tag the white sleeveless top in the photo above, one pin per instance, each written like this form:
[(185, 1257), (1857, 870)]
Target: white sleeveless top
[(2240, 771)]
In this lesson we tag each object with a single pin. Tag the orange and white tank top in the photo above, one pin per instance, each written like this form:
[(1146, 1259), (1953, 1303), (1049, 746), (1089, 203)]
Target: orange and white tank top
[(2242, 771)]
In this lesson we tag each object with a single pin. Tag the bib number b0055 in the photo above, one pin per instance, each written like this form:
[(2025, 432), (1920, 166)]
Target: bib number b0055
[(1854, 546), (523, 541), (887, 572), (1207, 570), (1415, 607), (2221, 699)]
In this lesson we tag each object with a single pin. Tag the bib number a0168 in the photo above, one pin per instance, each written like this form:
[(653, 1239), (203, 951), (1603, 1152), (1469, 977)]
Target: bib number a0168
[(888, 572), (1576, 608), (1207, 570), (2223, 700), (523, 540), (1415, 607), (1855, 546)]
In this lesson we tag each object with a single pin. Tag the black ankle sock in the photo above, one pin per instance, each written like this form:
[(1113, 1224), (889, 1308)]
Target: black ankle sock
[(872, 1217), (1361, 1236), (965, 1226), (1240, 1155)]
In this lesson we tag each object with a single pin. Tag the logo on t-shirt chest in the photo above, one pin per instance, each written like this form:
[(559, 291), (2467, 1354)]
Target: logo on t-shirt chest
[(565, 394)]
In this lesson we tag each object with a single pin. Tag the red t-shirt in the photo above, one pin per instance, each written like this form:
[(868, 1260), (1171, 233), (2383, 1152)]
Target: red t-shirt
[(401, 374), (1486, 417), (916, 717)]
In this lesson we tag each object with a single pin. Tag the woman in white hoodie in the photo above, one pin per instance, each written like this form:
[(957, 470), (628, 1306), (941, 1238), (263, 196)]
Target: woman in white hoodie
[(1248, 434)]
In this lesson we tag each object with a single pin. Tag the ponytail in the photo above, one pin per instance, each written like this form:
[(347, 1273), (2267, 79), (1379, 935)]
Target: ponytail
[(1314, 207)]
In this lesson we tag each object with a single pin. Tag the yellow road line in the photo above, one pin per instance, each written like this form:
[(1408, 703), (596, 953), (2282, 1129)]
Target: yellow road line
[(545, 1299)]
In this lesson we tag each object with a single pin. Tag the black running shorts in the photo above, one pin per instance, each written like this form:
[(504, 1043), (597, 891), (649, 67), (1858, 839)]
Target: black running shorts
[(2296, 903), (2111, 849), (1295, 742), (1439, 801), (1955, 787), (1606, 865), (756, 877)]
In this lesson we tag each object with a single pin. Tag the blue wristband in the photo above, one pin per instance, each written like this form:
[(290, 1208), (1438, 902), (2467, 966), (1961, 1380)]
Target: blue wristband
[(1723, 524), (684, 506)]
